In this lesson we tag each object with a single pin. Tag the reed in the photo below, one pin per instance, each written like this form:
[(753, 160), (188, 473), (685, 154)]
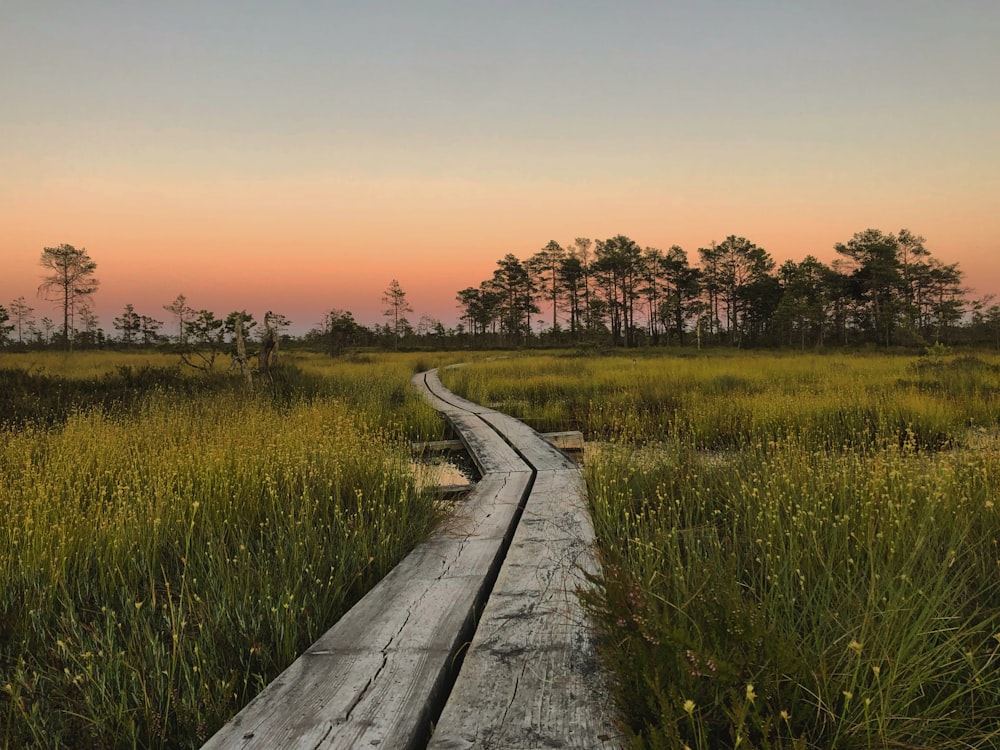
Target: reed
[(798, 552), (162, 559)]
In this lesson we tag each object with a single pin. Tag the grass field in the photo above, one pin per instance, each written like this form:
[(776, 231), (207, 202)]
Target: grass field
[(799, 551), (170, 545)]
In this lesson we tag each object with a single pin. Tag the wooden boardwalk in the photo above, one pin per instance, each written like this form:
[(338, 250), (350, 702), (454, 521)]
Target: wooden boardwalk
[(476, 639)]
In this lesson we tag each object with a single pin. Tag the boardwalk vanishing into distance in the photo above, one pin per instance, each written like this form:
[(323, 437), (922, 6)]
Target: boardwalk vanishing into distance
[(477, 638)]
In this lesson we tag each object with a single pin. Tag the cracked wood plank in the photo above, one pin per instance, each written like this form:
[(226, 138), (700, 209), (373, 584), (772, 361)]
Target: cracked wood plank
[(531, 677), (524, 441), (441, 395), (568, 440), (541, 454), (377, 675), (487, 449)]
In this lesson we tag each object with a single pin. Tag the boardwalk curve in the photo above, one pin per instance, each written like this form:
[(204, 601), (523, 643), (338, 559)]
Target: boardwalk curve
[(476, 639)]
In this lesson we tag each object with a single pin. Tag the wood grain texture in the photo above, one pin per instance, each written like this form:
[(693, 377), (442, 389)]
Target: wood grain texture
[(504, 571), (568, 440), (531, 677), (380, 673)]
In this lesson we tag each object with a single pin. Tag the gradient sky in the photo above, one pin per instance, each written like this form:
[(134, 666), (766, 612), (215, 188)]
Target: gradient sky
[(299, 156)]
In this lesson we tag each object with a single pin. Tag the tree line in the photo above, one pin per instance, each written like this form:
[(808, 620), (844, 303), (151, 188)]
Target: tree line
[(883, 288), (198, 334)]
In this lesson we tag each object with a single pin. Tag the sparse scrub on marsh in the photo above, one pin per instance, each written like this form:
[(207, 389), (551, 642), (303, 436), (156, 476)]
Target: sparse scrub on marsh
[(163, 559), (798, 552)]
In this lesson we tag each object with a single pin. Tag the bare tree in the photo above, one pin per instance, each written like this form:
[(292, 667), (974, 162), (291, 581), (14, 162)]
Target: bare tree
[(21, 314), (268, 353), (45, 334), (183, 313), (396, 308), (70, 282)]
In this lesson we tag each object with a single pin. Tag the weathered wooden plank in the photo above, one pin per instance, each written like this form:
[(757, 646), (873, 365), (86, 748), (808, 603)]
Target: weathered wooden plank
[(543, 695), (569, 440), (314, 703), (428, 384), (452, 400), (540, 454), (488, 450), (557, 508), (378, 674), (490, 509), (531, 677)]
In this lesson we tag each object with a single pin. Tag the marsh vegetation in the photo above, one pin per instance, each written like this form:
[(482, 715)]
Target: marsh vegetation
[(798, 552), (170, 542)]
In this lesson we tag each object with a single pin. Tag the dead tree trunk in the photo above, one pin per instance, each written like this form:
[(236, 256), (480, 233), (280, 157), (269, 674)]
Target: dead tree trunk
[(268, 350), (240, 358)]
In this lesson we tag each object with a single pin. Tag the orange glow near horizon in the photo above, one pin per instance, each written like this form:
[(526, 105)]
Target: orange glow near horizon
[(304, 249), (254, 157)]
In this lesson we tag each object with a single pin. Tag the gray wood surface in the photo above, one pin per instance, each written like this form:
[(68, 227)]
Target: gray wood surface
[(497, 583), (569, 440), (379, 675), (531, 677)]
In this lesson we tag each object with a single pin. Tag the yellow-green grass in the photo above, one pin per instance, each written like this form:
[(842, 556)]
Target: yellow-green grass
[(160, 563), (799, 552), (723, 401), (87, 364)]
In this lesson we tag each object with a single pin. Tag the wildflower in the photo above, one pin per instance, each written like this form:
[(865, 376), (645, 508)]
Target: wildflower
[(785, 715), (689, 706), (855, 647), (847, 696), (750, 693)]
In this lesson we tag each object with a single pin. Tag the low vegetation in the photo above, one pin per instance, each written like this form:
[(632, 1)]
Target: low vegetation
[(170, 541), (798, 552)]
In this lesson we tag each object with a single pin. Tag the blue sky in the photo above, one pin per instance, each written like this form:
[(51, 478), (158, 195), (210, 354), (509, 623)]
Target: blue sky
[(375, 140)]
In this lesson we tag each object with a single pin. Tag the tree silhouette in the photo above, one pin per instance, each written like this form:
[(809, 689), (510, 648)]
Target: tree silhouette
[(183, 313), (130, 325), (70, 282), (396, 307), (20, 313)]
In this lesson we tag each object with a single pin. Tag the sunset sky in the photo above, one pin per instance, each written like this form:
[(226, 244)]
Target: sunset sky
[(299, 156)]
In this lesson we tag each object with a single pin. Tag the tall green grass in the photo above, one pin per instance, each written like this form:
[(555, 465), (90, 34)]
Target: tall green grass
[(162, 559), (857, 595), (798, 552), (721, 401)]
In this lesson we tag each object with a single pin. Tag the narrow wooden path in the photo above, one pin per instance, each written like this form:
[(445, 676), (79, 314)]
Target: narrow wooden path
[(477, 638)]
